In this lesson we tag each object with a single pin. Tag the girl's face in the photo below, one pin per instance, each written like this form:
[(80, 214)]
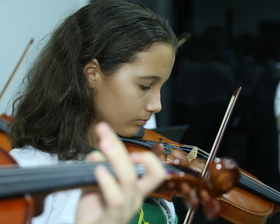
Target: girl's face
[(128, 98)]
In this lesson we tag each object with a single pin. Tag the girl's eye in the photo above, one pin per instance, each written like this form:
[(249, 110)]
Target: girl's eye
[(145, 87)]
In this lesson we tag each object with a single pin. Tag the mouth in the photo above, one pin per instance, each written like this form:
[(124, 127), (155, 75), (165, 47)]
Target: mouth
[(142, 122)]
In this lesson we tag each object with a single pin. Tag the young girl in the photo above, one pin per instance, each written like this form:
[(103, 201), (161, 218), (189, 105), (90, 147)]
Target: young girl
[(106, 62)]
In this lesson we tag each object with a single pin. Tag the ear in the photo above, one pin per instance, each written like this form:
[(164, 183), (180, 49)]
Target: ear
[(92, 72)]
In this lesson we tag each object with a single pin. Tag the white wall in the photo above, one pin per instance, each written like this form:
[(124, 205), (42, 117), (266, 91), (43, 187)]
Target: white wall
[(20, 21)]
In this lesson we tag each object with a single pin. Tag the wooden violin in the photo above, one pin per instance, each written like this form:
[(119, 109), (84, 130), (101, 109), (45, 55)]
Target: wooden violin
[(249, 201), (17, 184)]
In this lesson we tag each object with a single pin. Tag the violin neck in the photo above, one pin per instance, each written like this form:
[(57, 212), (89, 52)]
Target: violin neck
[(18, 181)]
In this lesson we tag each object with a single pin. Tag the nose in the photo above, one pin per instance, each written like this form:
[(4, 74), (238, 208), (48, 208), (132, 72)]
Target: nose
[(154, 103)]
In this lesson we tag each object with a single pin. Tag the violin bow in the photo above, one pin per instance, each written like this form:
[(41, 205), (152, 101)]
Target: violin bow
[(190, 214), (16, 68), (183, 38)]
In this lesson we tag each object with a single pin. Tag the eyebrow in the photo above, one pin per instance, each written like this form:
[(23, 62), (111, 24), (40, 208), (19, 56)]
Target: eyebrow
[(154, 77)]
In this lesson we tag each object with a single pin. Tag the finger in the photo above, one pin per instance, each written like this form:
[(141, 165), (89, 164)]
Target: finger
[(111, 191), (155, 174), (116, 154), (107, 197), (159, 151), (95, 156), (179, 158), (211, 206), (190, 196)]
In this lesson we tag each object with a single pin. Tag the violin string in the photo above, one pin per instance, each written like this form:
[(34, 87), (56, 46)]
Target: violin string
[(188, 148), (204, 155)]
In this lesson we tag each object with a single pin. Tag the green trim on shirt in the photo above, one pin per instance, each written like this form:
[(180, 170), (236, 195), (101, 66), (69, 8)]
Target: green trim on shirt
[(176, 219), (92, 149), (153, 213)]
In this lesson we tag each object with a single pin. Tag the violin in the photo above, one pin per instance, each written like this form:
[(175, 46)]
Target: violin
[(250, 201), (17, 184)]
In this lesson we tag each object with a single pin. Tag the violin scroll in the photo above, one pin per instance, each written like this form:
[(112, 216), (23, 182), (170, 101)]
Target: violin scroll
[(221, 176)]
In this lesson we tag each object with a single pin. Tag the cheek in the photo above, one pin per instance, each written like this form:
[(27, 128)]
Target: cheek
[(123, 106), (114, 106), (120, 104)]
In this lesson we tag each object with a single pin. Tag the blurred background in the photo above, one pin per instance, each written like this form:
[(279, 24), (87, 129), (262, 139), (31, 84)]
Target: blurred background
[(229, 44)]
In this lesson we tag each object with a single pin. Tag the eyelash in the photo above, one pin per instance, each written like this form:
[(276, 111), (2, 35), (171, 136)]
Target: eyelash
[(145, 87)]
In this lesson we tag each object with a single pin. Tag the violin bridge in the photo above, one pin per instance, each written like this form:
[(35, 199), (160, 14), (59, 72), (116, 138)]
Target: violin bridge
[(192, 154)]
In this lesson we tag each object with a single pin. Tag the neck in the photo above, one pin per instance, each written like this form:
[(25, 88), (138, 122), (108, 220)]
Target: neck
[(92, 138)]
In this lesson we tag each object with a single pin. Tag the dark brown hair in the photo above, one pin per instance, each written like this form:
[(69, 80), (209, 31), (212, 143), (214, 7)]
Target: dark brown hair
[(56, 109)]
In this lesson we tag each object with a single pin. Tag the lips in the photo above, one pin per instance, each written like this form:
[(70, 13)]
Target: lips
[(142, 121)]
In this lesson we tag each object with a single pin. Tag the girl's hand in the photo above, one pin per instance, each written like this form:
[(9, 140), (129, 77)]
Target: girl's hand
[(117, 201)]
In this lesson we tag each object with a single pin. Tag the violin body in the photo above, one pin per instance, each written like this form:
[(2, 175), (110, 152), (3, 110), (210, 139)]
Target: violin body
[(247, 207)]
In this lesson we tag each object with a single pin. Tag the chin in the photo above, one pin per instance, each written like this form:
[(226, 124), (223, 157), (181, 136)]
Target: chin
[(130, 132)]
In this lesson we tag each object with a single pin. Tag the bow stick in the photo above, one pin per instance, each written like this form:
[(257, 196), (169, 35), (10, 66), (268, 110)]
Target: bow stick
[(216, 144), (16, 68), (183, 39)]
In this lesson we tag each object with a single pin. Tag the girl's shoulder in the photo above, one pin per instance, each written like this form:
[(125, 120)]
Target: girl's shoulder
[(30, 156)]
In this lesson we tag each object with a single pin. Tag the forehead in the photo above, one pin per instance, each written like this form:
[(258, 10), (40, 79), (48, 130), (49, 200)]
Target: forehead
[(159, 49), (158, 56), (158, 59), (155, 63)]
